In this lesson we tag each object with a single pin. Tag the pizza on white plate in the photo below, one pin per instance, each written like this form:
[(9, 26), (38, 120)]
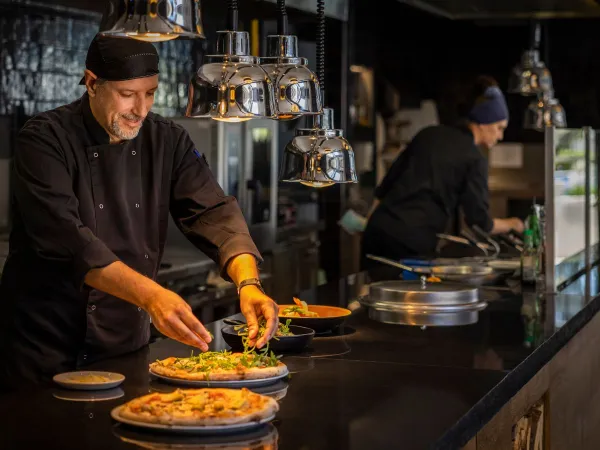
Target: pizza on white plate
[(200, 407), (221, 366)]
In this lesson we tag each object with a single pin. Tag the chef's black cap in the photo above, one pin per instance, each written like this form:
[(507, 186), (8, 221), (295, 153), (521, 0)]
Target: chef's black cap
[(119, 59)]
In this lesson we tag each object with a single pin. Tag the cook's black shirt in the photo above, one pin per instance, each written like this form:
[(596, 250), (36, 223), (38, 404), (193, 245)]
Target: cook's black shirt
[(82, 203), (439, 170)]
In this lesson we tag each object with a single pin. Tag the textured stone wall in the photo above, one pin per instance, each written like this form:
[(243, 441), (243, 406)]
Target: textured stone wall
[(42, 58)]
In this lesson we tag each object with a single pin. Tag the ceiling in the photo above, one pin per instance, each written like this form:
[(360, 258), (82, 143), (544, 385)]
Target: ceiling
[(509, 9), (337, 9)]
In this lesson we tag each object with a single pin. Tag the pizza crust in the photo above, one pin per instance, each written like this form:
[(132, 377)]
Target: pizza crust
[(256, 408), (165, 368)]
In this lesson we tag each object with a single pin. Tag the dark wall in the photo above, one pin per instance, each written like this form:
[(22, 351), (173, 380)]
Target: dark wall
[(426, 56)]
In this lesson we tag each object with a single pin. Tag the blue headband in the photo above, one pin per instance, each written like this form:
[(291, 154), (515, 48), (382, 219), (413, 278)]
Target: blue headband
[(492, 109)]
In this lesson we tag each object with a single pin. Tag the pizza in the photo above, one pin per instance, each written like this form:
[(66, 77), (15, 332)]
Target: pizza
[(200, 407), (221, 366)]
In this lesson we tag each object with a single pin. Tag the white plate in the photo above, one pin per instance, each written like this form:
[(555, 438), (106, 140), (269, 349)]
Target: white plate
[(221, 429), (69, 380), (221, 384)]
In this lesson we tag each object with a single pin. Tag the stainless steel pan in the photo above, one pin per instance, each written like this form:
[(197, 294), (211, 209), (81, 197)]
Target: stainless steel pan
[(470, 274)]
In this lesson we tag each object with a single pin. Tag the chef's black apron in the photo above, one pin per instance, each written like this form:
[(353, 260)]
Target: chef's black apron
[(439, 171)]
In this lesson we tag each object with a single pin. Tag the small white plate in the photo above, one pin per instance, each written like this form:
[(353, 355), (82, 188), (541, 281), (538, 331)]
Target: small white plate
[(221, 384), (88, 396), (84, 380), (221, 429)]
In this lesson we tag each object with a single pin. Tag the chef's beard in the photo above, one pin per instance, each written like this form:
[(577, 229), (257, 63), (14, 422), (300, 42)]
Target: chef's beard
[(122, 134)]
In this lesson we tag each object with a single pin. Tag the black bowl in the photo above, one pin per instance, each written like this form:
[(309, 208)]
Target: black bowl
[(299, 341)]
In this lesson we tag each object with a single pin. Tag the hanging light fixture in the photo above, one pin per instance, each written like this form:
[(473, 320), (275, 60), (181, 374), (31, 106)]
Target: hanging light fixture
[(319, 156), (295, 86), (230, 86), (545, 111), (152, 20), (531, 76)]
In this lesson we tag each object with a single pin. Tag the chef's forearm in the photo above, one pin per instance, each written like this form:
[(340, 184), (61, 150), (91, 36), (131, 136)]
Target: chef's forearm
[(242, 267), (121, 281)]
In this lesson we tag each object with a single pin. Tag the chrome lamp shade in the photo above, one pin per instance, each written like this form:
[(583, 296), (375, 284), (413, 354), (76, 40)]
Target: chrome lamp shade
[(530, 76), (544, 112), (320, 156), (231, 86), (152, 20), (295, 86)]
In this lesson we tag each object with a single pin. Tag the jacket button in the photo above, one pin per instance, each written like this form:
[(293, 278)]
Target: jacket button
[(95, 155), (146, 256), (137, 205), (101, 206), (133, 152), (93, 307), (139, 309)]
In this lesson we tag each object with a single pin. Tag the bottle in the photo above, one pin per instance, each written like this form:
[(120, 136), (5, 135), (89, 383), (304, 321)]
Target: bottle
[(539, 213), (532, 313), (529, 260)]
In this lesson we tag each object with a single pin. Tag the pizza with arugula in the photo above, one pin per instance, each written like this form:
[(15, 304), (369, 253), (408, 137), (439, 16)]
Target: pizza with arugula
[(221, 366)]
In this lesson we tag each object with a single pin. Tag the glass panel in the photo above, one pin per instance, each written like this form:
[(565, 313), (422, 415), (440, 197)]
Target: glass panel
[(571, 175), (261, 142), (594, 211), (569, 192)]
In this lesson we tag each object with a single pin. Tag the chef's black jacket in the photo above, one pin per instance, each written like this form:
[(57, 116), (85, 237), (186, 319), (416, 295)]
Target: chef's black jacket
[(440, 170), (82, 203)]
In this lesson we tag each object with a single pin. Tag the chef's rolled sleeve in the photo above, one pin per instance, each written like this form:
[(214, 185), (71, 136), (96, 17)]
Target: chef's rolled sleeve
[(209, 219), (49, 207), (93, 256), (475, 196)]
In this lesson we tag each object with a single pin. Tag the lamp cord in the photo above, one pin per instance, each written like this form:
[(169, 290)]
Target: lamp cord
[(321, 47), (232, 15), (282, 20)]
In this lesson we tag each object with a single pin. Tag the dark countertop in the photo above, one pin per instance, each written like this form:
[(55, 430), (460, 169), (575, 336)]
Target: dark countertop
[(371, 386)]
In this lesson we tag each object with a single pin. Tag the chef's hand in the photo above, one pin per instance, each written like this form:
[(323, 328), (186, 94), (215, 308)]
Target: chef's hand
[(516, 224), (255, 304), (173, 317), (502, 226)]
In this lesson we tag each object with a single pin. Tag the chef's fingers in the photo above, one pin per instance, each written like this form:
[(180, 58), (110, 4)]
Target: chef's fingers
[(196, 326), (270, 312), (252, 321), (183, 334)]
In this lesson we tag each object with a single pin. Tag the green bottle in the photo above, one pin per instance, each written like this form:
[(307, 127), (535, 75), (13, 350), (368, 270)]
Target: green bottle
[(529, 259)]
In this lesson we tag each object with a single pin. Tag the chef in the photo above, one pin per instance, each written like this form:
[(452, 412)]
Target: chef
[(94, 183), (442, 168)]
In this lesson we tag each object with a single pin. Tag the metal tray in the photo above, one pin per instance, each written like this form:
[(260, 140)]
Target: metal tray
[(221, 429), (221, 384), (392, 293), (443, 317)]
